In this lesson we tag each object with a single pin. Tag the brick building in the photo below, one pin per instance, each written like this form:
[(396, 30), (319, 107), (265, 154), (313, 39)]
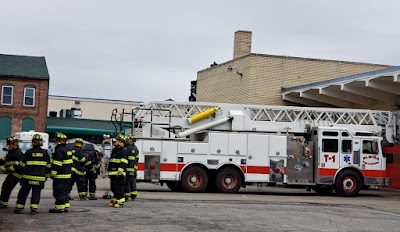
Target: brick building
[(24, 87), (251, 78)]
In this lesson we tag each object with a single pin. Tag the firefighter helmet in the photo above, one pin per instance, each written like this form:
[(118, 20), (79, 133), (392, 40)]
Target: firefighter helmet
[(12, 140), (131, 138), (78, 140), (60, 136), (37, 139), (120, 138)]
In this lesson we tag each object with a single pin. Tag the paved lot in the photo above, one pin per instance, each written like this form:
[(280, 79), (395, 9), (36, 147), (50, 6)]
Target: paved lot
[(158, 209)]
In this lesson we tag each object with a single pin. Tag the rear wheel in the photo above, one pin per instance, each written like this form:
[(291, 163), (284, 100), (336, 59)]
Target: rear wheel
[(228, 180), (194, 179), (175, 186), (348, 184)]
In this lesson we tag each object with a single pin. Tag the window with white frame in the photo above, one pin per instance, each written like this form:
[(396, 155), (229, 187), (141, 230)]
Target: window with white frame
[(7, 93), (29, 96)]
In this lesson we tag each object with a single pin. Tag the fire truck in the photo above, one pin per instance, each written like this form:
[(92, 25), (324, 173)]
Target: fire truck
[(196, 147)]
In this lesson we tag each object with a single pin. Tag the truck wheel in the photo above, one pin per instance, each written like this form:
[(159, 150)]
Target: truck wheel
[(348, 184), (175, 186), (228, 180), (323, 189), (194, 179)]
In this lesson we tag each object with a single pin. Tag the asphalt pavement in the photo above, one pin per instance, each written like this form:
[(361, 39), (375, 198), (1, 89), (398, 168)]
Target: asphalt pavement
[(159, 209)]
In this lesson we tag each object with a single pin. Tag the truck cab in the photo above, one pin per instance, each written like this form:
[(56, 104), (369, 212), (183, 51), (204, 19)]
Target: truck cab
[(348, 160), (25, 140)]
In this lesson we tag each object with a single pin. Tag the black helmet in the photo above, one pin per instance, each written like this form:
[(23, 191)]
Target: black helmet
[(37, 140), (12, 140), (131, 138), (60, 137), (120, 138), (79, 140)]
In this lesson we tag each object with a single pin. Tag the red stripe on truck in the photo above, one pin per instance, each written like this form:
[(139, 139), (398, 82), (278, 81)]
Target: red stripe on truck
[(367, 173), (257, 170), (173, 167)]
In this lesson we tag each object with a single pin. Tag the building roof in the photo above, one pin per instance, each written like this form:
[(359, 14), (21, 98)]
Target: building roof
[(373, 90), (93, 99), (288, 57), (23, 67), (345, 79), (81, 126)]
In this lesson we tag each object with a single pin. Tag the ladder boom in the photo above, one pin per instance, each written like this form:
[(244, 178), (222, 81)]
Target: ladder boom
[(173, 115)]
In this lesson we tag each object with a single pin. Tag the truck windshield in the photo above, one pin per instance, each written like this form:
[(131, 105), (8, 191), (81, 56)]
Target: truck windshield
[(25, 145)]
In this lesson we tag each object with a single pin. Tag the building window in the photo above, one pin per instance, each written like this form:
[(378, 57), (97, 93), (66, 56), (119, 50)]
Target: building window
[(5, 125), (29, 96), (7, 92), (28, 124)]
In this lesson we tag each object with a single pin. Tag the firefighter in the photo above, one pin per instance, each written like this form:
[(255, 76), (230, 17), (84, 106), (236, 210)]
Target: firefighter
[(78, 173), (93, 170), (35, 166), (9, 164), (117, 172), (61, 174), (133, 158)]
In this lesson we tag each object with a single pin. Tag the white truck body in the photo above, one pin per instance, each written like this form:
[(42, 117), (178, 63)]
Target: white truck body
[(25, 140), (191, 146)]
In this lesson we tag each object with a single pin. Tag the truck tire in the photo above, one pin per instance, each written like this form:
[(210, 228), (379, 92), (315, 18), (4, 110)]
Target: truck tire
[(323, 190), (175, 186), (228, 180), (348, 184), (194, 179)]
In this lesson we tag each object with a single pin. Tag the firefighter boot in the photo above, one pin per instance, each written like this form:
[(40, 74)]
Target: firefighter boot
[(92, 197), (18, 211), (56, 211), (3, 204), (111, 204), (118, 205), (34, 211)]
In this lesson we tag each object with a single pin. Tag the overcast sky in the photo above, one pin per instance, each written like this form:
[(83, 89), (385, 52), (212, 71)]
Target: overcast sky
[(151, 50)]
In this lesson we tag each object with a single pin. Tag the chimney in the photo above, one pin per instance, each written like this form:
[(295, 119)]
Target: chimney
[(242, 43)]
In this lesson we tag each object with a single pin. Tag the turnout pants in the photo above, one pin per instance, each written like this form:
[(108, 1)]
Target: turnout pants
[(26, 186), (80, 181), (130, 185), (60, 193), (91, 183), (117, 188), (8, 185), (133, 185)]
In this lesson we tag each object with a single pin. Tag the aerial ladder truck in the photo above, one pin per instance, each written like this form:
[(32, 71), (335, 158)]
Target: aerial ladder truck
[(197, 147)]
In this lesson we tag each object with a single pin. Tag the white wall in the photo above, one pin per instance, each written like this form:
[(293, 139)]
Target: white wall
[(98, 109)]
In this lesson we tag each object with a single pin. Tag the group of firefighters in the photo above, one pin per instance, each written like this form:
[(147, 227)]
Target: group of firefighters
[(67, 166)]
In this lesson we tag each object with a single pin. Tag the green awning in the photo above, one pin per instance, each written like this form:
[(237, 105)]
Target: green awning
[(82, 126), (77, 130)]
